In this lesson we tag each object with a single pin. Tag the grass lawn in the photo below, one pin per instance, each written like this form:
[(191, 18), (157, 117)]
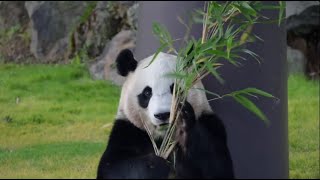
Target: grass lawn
[(303, 109), (55, 121)]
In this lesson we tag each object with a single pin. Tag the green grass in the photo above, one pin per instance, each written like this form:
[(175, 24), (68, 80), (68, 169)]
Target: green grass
[(55, 121), (303, 127)]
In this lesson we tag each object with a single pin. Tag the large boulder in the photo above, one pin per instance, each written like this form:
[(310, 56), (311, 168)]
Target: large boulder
[(122, 16), (304, 22), (52, 22), (107, 19), (303, 29), (61, 29), (104, 67), (296, 7), (296, 61)]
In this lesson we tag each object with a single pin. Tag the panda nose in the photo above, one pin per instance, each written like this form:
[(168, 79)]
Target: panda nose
[(162, 116)]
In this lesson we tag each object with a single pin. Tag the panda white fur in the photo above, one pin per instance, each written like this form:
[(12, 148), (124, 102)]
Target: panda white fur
[(202, 150)]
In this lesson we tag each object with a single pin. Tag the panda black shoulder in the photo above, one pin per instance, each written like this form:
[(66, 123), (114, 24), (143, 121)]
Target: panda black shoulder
[(128, 154), (124, 131)]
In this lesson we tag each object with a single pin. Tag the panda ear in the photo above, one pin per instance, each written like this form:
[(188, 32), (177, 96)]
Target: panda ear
[(125, 62)]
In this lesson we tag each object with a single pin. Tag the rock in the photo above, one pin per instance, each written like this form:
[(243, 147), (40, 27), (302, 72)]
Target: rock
[(14, 34), (303, 33), (132, 16), (104, 67), (304, 22), (125, 12), (52, 22), (12, 13), (298, 43), (98, 30), (107, 20), (62, 29), (296, 7), (296, 61)]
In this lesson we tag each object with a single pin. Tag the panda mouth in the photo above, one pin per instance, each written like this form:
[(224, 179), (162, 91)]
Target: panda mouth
[(163, 126)]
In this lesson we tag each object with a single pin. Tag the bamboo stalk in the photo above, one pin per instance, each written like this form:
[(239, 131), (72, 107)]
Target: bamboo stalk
[(150, 135), (171, 117), (204, 30)]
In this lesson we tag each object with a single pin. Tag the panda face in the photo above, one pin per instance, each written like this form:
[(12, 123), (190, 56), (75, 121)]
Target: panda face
[(147, 92), (156, 102), (153, 90)]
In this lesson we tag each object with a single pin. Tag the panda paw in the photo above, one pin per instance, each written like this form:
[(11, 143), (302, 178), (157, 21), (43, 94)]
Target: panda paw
[(185, 123)]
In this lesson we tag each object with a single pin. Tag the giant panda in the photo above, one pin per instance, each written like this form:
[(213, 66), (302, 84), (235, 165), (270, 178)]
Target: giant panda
[(202, 150)]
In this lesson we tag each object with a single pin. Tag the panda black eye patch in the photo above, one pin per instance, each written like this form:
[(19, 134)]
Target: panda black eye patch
[(144, 97)]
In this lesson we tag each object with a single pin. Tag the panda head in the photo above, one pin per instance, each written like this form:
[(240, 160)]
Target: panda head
[(147, 91)]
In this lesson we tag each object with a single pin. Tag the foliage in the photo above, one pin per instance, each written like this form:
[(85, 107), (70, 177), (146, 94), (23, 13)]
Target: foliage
[(7, 34), (81, 57), (226, 30), (84, 20), (14, 44)]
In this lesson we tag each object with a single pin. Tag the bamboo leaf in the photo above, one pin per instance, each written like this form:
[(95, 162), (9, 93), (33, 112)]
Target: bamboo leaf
[(259, 38), (229, 31), (188, 81), (198, 20), (233, 62), (156, 54), (281, 11), (202, 60), (177, 75), (156, 28), (218, 53), (209, 92), (162, 33), (246, 8), (254, 55), (229, 46), (214, 72), (189, 50), (224, 55), (251, 91), (251, 107), (259, 92), (246, 34), (207, 46)]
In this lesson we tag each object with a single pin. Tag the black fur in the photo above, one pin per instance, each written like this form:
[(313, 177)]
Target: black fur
[(125, 62), (202, 152), (129, 154), (144, 97)]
